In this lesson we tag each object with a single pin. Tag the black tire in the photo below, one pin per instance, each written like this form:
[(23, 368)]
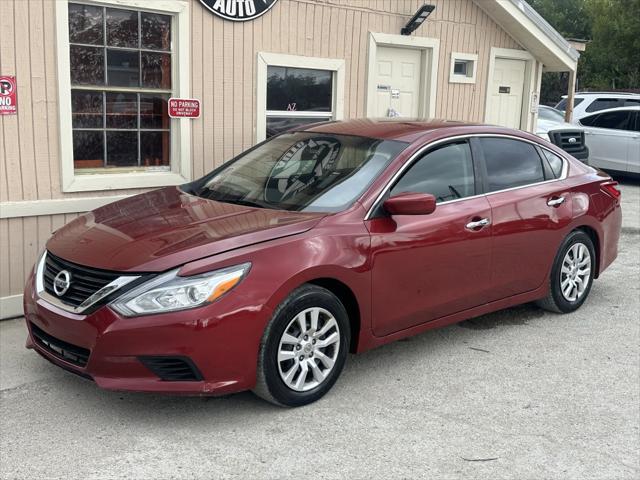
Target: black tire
[(270, 386), (555, 301)]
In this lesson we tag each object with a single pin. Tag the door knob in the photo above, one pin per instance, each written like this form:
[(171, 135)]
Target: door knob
[(478, 224)]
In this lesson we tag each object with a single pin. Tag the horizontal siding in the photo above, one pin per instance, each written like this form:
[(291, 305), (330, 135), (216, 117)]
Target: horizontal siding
[(223, 64)]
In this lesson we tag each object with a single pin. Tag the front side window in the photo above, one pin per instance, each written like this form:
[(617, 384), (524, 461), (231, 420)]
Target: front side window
[(613, 120), (603, 104), (121, 79), (300, 171), (297, 97), (446, 173), (510, 163)]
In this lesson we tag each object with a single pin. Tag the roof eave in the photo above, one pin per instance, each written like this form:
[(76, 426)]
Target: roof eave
[(533, 32)]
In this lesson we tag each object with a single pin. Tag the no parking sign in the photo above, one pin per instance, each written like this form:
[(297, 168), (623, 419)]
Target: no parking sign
[(8, 95)]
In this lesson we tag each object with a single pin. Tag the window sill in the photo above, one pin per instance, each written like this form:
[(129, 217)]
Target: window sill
[(461, 79), (121, 181)]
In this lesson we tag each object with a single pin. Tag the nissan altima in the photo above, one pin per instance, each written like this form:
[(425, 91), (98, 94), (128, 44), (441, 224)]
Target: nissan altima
[(339, 237)]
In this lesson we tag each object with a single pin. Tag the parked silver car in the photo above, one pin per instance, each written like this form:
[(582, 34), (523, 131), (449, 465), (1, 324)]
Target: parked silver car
[(613, 138)]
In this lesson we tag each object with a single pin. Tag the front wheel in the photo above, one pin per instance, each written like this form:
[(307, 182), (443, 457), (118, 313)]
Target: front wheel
[(572, 274), (304, 348)]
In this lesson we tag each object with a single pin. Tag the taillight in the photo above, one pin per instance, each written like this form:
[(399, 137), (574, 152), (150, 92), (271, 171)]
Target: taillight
[(611, 189)]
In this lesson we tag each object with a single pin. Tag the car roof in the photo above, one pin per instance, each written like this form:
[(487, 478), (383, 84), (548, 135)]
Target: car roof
[(608, 94), (617, 109), (398, 128)]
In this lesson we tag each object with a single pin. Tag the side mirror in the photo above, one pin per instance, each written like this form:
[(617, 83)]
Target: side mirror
[(410, 204)]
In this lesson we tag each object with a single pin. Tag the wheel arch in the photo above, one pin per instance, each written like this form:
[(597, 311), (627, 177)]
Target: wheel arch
[(595, 239), (348, 300)]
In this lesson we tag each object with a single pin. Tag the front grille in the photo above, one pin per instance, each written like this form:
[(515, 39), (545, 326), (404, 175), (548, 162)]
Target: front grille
[(71, 353), (172, 369), (85, 281), (571, 141)]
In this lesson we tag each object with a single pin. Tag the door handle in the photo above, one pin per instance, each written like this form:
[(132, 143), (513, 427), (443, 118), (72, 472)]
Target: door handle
[(478, 224), (555, 201)]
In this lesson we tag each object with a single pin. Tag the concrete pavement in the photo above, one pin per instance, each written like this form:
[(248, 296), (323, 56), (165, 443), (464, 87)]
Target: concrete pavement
[(520, 394)]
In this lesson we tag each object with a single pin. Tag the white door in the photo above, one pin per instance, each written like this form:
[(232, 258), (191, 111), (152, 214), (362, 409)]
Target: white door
[(609, 138), (397, 81), (506, 88)]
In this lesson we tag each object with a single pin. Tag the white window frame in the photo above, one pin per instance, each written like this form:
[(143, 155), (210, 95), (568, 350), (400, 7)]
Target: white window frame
[(463, 57), (265, 60), (180, 154)]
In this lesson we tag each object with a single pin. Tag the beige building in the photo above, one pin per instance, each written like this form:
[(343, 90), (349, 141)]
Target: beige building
[(93, 78)]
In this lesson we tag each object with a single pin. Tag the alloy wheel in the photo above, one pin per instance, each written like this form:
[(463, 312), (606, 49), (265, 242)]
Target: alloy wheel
[(575, 274), (308, 349)]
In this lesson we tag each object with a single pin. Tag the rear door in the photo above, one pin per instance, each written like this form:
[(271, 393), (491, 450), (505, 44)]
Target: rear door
[(608, 137), (633, 157), (429, 266), (529, 207)]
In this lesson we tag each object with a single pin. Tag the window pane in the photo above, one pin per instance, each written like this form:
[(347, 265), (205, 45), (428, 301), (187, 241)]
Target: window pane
[(303, 171), (122, 149), (511, 163), (156, 31), (122, 28), (555, 162), (299, 89), (154, 149), (86, 109), (603, 104), (446, 173), (123, 68), (632, 102), (562, 104), (122, 110), (153, 111), (276, 125), (88, 149), (156, 70), (612, 120), (87, 65), (85, 24)]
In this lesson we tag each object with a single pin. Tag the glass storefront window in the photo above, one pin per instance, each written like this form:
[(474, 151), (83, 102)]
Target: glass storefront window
[(121, 79), (297, 96)]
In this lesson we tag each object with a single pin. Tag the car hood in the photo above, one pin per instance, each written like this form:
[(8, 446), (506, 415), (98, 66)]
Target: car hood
[(166, 228), (545, 126)]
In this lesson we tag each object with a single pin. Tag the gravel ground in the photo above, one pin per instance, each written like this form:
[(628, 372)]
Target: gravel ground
[(520, 394)]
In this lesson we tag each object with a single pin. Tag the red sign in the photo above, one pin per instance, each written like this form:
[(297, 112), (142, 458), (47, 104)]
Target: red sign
[(184, 108), (8, 95)]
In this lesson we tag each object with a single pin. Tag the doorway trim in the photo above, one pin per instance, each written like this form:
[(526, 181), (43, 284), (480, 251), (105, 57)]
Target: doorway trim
[(430, 48), (528, 90)]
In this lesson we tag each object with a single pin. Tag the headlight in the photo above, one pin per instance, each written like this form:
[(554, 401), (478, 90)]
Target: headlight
[(169, 292)]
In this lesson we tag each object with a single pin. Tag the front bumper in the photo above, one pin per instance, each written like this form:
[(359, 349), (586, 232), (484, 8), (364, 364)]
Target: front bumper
[(221, 340)]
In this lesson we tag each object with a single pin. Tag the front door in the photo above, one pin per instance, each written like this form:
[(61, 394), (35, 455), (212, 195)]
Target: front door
[(428, 266), (397, 81), (506, 89), (609, 137)]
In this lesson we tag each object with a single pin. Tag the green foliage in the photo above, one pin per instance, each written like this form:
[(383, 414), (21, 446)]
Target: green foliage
[(612, 58)]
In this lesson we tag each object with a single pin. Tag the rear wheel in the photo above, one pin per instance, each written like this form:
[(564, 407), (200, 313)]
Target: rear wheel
[(572, 274), (304, 348)]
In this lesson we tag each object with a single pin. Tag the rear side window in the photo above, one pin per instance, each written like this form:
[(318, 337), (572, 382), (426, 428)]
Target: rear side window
[(554, 161), (447, 173), (603, 104), (614, 120), (632, 102), (510, 163)]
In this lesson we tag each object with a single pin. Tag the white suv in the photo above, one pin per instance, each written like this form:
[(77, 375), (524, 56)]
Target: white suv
[(586, 103)]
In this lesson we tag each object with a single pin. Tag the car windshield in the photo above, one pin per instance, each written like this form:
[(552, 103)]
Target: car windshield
[(562, 104), (301, 171), (551, 114)]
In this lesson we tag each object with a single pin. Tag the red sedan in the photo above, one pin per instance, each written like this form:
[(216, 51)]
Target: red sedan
[(336, 238)]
